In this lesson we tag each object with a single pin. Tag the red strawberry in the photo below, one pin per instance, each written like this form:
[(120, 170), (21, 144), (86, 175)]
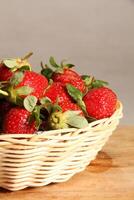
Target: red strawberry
[(35, 81), (17, 121), (26, 83), (69, 76), (57, 90), (100, 102), (63, 73), (5, 73), (9, 66)]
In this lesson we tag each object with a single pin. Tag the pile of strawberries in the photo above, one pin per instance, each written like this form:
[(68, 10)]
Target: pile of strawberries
[(56, 98)]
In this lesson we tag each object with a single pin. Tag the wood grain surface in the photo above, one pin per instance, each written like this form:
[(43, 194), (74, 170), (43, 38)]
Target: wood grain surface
[(110, 176)]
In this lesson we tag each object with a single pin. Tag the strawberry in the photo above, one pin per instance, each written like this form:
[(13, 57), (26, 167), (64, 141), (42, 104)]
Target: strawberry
[(9, 66), (17, 121), (23, 84), (100, 102), (35, 81), (5, 73), (64, 74), (69, 76), (57, 90)]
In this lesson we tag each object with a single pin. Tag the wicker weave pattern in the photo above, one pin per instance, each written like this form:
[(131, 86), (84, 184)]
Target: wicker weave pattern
[(52, 156)]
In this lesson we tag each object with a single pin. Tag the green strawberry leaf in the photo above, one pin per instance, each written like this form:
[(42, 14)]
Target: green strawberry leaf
[(77, 96), (64, 65), (56, 108), (36, 113), (24, 90), (10, 63), (69, 65), (47, 72), (87, 79), (35, 116), (30, 103), (99, 83), (45, 100), (74, 92), (53, 63), (17, 78), (24, 68), (59, 70), (53, 107), (76, 120), (46, 103), (71, 113)]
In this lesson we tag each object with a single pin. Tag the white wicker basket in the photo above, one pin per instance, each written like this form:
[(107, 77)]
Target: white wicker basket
[(52, 156)]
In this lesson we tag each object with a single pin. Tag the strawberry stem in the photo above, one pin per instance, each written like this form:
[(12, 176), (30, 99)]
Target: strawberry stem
[(42, 65), (27, 56)]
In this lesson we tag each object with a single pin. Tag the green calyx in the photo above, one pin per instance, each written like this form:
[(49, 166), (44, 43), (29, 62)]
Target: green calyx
[(99, 83), (54, 67), (91, 82), (49, 106), (30, 104), (16, 78), (59, 67), (77, 96), (57, 120), (16, 96), (87, 80), (35, 116), (15, 92), (68, 119), (20, 64), (43, 111)]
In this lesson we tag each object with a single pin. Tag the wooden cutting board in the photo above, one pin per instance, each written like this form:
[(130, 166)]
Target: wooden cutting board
[(110, 176)]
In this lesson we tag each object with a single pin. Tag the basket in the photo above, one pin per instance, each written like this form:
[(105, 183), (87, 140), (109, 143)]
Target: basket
[(52, 156)]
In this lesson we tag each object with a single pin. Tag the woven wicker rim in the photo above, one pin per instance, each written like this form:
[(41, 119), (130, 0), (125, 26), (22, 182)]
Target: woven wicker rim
[(32, 139)]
